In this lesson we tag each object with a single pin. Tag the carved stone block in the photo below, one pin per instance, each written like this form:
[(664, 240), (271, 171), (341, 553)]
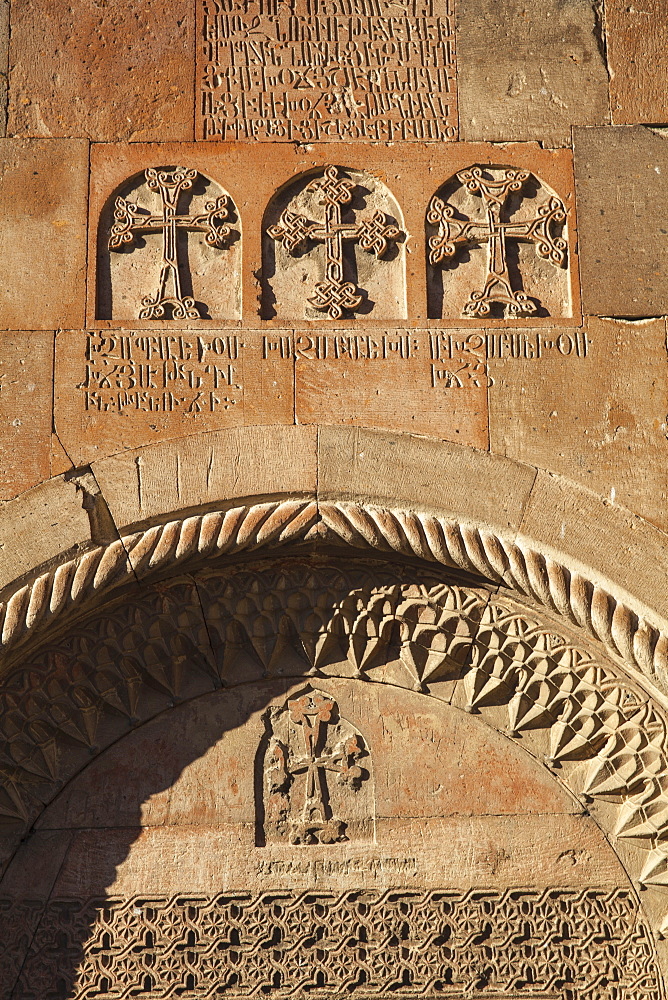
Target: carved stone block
[(320, 71), (332, 249), (187, 232), (313, 769), (518, 225)]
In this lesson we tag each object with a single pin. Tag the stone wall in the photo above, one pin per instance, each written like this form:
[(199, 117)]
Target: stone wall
[(333, 531)]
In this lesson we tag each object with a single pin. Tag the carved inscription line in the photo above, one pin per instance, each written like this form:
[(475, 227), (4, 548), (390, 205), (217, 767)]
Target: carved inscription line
[(307, 70), (197, 373)]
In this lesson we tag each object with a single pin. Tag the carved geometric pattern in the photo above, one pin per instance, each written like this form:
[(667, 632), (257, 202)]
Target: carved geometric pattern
[(377, 624), (455, 232), (579, 944), (91, 575)]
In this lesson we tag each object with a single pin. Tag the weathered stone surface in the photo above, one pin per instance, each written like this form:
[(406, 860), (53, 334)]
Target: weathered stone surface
[(541, 412), (4, 64), (121, 391), (529, 70), (122, 70), (26, 373), (637, 42), (208, 468), (593, 531), (389, 380), (622, 208), (43, 203), (355, 462), (38, 525)]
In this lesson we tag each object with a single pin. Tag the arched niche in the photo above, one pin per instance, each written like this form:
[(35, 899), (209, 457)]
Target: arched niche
[(333, 249), (471, 519), (169, 248), (497, 247), (485, 727)]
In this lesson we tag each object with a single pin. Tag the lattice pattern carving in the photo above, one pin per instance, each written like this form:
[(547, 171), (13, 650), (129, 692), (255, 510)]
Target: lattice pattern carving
[(585, 944)]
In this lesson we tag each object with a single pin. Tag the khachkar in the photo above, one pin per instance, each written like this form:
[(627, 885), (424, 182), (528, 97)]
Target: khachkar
[(309, 744), (335, 295), (131, 220), (454, 233)]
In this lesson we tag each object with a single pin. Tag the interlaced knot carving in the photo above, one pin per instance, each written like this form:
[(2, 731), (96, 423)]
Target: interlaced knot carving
[(334, 295), (130, 220), (495, 230)]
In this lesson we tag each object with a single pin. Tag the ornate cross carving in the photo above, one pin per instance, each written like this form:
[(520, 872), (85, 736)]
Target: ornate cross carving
[(374, 235), (327, 746), (129, 219), (495, 230)]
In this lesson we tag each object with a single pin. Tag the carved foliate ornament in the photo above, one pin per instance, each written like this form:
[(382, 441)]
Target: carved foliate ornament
[(502, 192), (335, 295), (130, 220), (313, 768)]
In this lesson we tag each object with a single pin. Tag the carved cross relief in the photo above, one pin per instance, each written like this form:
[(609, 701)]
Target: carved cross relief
[(310, 748), (131, 220), (495, 229), (295, 232)]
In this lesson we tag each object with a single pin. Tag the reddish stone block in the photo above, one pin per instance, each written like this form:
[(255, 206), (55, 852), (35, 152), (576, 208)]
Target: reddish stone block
[(43, 205), (118, 70), (26, 370)]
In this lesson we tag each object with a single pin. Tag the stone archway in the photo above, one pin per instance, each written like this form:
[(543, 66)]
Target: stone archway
[(551, 656), (579, 741)]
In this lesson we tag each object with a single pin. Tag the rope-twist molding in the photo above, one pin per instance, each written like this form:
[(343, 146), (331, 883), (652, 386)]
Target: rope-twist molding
[(94, 573)]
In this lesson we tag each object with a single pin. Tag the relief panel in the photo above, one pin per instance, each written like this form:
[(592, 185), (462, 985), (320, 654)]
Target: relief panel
[(315, 774), (333, 249), (169, 247), (497, 247)]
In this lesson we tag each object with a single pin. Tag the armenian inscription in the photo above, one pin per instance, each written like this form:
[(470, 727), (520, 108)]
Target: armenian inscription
[(309, 70), (194, 374)]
